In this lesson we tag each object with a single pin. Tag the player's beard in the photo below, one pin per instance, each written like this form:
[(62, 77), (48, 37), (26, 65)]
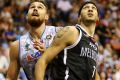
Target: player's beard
[(34, 22), (88, 20)]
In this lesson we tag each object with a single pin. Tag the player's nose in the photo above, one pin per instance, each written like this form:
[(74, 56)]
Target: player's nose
[(90, 10), (35, 9)]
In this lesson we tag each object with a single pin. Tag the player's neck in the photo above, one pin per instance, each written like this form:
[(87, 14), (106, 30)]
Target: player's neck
[(36, 32), (89, 27)]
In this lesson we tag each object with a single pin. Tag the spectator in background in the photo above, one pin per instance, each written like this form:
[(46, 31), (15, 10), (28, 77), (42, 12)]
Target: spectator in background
[(115, 43), (107, 52), (22, 3), (109, 73), (4, 45), (102, 75), (64, 6), (2, 37), (3, 64), (10, 33), (101, 30), (117, 29), (73, 14), (116, 75)]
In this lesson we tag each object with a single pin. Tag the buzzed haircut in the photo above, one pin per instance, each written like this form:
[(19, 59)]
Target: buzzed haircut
[(41, 1), (87, 2)]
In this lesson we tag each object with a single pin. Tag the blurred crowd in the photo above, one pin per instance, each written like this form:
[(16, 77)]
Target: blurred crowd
[(65, 12)]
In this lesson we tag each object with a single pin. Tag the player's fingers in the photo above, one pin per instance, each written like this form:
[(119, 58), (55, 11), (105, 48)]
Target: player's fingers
[(40, 45), (40, 48)]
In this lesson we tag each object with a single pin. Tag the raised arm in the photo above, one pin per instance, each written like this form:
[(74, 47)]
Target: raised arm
[(14, 67), (63, 38)]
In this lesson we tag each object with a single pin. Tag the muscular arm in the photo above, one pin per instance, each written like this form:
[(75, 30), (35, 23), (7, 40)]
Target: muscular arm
[(64, 37), (14, 66)]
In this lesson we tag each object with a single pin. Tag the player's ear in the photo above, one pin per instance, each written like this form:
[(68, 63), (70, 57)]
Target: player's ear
[(79, 18), (98, 18), (27, 17), (47, 16)]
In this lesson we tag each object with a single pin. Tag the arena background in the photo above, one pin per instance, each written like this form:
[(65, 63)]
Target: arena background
[(65, 12)]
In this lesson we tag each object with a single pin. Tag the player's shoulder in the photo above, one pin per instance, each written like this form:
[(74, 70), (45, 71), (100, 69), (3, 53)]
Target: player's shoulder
[(14, 49), (66, 31), (70, 29), (14, 44)]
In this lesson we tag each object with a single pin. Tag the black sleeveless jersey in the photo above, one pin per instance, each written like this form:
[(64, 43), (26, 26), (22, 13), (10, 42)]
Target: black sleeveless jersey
[(78, 61)]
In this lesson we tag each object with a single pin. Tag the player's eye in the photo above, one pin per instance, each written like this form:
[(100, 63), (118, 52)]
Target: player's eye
[(39, 7), (85, 7), (94, 7), (32, 6)]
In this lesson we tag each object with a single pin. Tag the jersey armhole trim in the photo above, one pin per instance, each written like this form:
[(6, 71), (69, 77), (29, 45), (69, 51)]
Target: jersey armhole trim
[(76, 42), (71, 46)]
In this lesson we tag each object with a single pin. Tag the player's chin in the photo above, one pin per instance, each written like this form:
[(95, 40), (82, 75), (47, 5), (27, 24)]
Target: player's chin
[(90, 20)]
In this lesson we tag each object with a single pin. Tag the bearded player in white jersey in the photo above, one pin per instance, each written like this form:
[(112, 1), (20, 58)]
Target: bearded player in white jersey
[(26, 51)]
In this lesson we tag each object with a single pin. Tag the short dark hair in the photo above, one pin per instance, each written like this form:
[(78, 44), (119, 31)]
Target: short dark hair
[(41, 1), (87, 2)]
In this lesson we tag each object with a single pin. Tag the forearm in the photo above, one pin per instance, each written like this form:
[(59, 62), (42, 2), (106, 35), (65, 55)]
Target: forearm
[(40, 69)]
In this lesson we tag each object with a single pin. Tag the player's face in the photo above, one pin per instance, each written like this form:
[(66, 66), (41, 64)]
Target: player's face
[(89, 13), (37, 12)]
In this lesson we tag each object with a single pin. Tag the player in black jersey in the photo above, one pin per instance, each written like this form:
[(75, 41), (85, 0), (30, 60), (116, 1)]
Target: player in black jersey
[(73, 52)]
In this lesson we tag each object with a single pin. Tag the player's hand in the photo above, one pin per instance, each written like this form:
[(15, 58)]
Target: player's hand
[(39, 46)]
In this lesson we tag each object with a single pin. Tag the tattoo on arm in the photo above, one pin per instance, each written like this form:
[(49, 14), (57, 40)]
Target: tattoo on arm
[(62, 32)]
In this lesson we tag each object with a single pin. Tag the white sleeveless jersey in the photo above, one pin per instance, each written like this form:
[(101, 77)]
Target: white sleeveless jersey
[(28, 55)]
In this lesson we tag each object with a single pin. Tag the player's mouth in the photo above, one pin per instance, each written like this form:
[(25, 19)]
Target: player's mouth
[(90, 14), (35, 13)]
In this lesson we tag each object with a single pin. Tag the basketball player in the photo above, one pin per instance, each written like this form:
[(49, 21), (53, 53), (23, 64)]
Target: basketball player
[(26, 51), (74, 50)]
